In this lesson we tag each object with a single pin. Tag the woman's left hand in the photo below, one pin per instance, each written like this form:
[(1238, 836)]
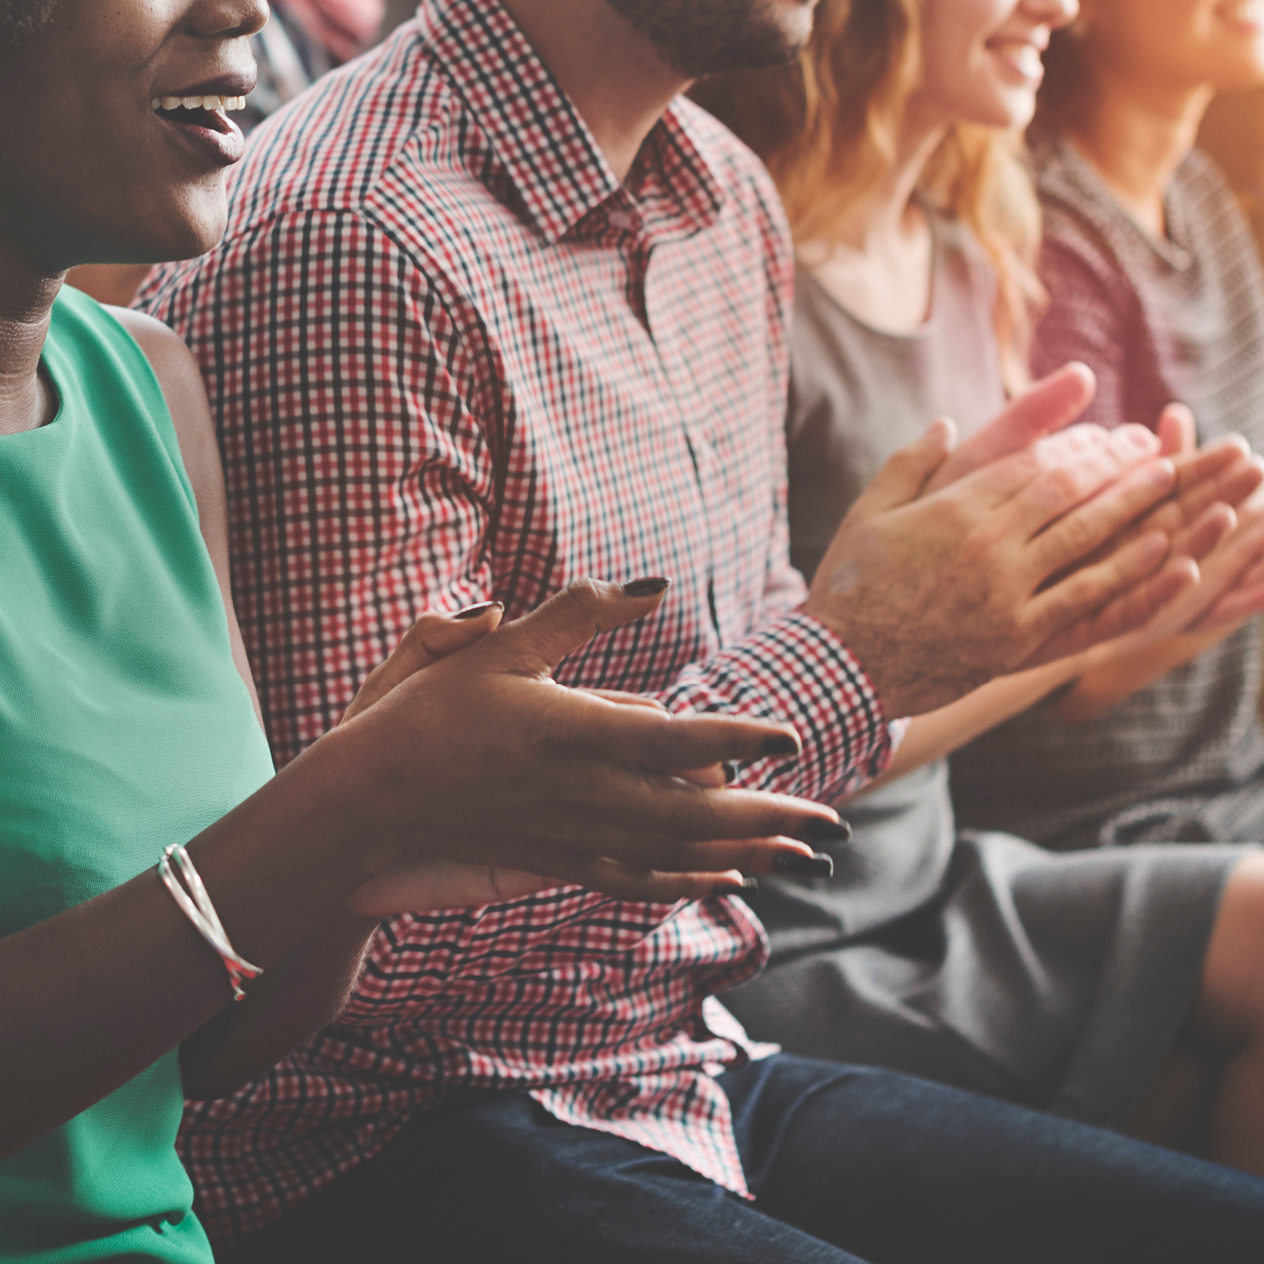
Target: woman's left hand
[(414, 885)]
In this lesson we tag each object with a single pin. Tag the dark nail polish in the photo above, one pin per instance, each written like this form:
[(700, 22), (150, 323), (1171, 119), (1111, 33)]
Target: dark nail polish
[(781, 744), (730, 772), (818, 830), (645, 587), (817, 865), (481, 607)]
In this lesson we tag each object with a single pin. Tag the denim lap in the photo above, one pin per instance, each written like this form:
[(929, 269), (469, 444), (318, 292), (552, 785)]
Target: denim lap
[(848, 1165)]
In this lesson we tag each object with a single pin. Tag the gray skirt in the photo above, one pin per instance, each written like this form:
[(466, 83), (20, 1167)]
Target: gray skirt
[(1059, 981)]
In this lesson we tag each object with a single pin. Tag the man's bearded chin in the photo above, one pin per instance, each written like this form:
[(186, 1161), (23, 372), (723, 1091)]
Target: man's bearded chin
[(704, 37)]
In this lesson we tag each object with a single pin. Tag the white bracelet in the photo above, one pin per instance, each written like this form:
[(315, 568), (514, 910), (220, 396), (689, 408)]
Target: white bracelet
[(196, 905)]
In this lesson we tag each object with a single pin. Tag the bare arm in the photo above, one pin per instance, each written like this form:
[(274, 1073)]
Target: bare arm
[(126, 976), (311, 983), (181, 383), (936, 734)]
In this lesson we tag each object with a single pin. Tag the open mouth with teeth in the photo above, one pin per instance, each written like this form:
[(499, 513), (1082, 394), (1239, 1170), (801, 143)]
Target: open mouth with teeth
[(203, 122), (204, 111)]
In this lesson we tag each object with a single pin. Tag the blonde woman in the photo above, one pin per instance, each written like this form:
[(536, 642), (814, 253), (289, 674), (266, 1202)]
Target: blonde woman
[(1061, 981)]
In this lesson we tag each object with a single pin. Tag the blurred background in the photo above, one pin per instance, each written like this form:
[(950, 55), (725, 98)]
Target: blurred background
[(307, 38)]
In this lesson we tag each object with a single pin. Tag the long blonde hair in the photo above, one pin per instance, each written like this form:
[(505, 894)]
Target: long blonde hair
[(827, 126)]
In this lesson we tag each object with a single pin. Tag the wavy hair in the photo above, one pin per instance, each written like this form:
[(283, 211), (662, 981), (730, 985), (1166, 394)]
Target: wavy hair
[(827, 126)]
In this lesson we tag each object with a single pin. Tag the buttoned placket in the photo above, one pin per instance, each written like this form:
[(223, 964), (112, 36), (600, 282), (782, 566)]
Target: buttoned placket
[(691, 412), (637, 244)]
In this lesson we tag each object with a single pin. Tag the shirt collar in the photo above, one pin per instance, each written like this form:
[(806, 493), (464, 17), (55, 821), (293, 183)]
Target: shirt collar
[(557, 171)]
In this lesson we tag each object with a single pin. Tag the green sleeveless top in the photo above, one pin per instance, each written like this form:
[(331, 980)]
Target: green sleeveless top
[(124, 726)]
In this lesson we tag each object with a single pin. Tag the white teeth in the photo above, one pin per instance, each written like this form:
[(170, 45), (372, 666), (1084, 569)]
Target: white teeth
[(199, 103), (1029, 61)]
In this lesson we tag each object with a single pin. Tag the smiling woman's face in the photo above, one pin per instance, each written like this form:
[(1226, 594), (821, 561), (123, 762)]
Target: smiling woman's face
[(90, 170), (1179, 43), (981, 58)]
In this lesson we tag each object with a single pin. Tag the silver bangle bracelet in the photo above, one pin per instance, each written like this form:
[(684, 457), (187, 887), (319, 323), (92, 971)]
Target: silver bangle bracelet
[(196, 905)]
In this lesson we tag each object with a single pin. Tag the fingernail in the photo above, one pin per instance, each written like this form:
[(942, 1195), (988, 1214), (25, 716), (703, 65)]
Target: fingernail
[(750, 884), (730, 772), (817, 865), (819, 830), (481, 607), (650, 587), (781, 744)]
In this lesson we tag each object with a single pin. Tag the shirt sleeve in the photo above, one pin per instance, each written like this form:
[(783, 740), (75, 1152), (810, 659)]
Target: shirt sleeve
[(791, 668), (794, 669), (360, 477), (797, 670), (361, 496)]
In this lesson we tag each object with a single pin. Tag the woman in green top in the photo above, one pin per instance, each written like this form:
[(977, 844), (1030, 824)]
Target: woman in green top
[(128, 720)]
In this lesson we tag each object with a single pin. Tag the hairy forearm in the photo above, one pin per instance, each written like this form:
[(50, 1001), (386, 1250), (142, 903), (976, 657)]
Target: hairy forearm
[(126, 976)]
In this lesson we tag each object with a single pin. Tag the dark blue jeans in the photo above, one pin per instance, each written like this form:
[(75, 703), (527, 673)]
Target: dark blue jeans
[(847, 1164)]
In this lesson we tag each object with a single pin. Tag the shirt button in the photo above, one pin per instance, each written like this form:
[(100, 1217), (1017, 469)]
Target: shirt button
[(622, 219)]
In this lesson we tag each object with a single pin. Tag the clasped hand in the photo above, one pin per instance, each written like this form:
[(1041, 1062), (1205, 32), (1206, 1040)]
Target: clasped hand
[(494, 781), (959, 564)]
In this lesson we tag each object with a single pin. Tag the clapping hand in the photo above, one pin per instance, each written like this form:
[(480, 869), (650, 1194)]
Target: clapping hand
[(601, 789)]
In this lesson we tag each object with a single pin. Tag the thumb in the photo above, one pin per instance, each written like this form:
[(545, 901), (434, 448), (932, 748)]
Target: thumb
[(1176, 430), (432, 637), (904, 475), (539, 641), (1051, 404)]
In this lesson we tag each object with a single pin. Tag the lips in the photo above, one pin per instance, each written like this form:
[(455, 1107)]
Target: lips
[(199, 116), (1020, 57)]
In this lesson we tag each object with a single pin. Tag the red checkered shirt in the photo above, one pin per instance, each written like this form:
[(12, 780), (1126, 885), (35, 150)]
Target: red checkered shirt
[(451, 357)]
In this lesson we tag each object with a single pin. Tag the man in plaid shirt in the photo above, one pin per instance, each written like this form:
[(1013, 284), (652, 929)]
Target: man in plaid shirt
[(490, 317)]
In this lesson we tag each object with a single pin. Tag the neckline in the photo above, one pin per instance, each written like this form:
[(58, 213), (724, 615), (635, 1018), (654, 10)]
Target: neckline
[(534, 127), (925, 328), (1171, 248)]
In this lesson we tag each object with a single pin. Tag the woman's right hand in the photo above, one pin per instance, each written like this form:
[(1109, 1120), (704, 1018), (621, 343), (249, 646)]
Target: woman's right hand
[(493, 779)]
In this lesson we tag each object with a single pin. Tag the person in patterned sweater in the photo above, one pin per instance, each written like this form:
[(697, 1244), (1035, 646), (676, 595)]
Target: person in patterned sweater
[(915, 296), (495, 308)]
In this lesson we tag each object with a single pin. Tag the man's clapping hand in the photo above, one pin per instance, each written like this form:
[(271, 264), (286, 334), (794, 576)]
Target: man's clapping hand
[(959, 564)]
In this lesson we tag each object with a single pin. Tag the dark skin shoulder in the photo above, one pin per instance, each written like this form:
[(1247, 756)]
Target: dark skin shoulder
[(181, 381)]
